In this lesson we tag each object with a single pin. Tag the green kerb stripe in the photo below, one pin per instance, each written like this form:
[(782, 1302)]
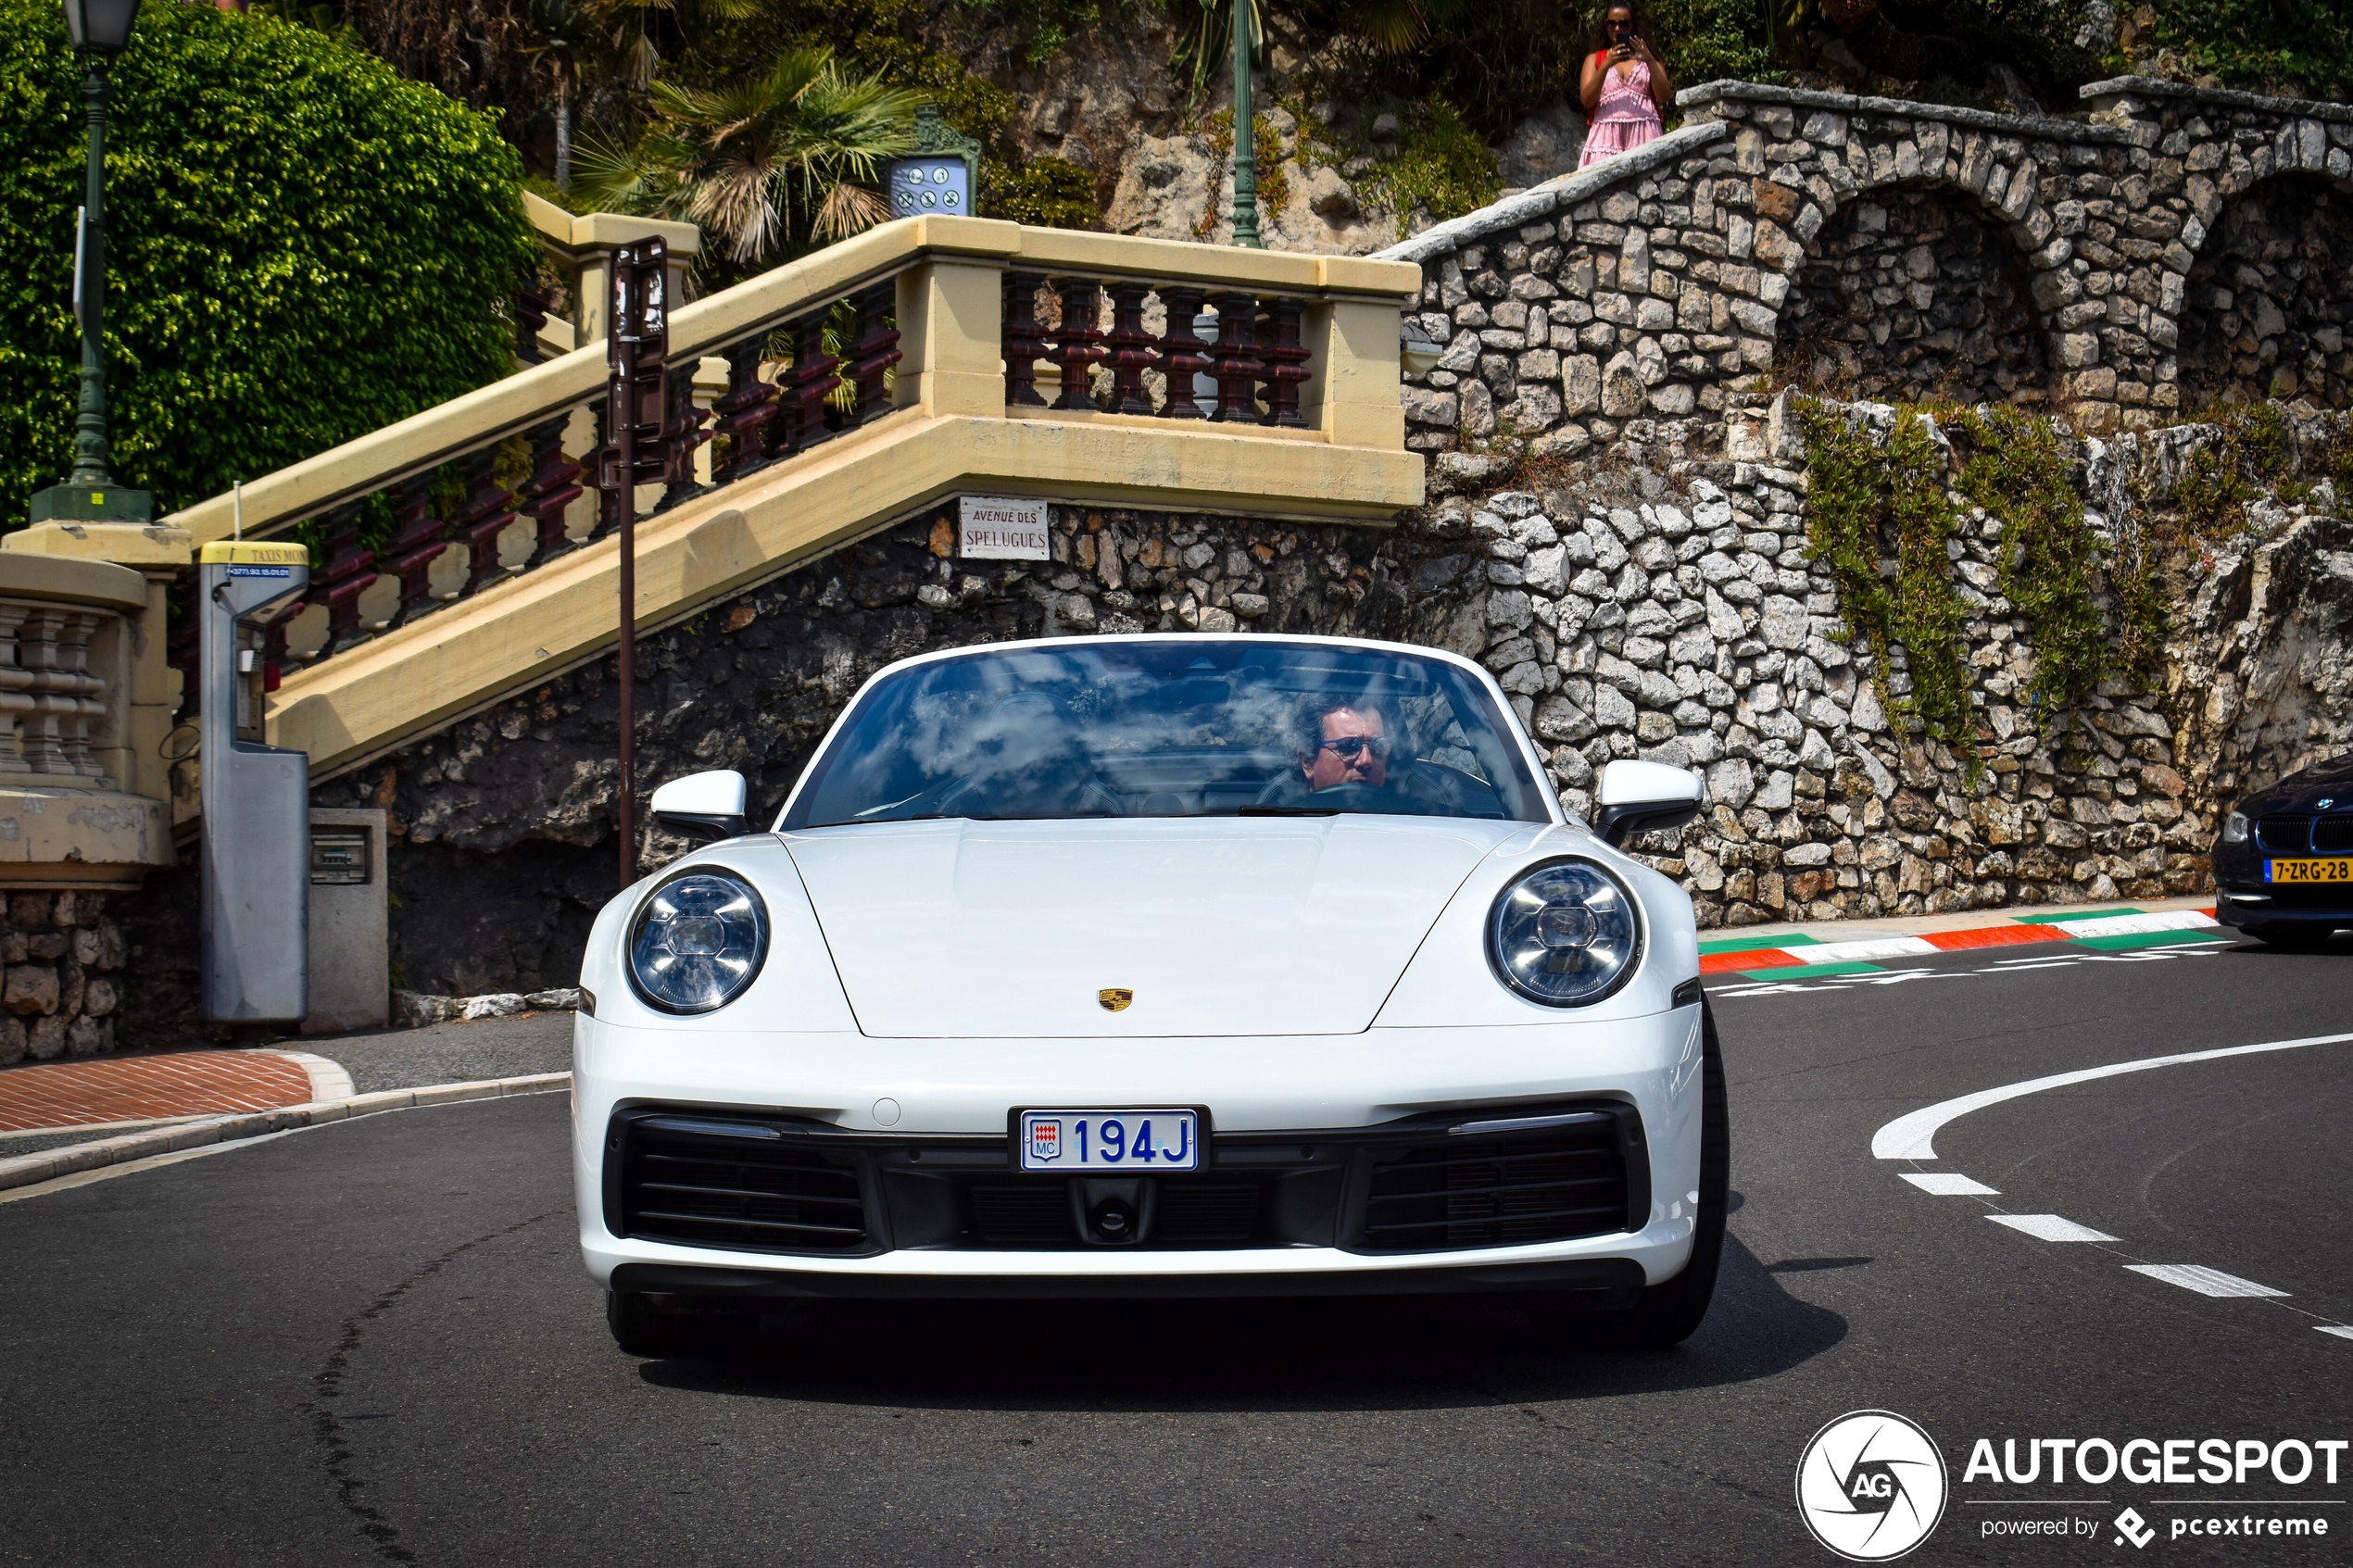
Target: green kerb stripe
[(1750, 944), (2153, 939)]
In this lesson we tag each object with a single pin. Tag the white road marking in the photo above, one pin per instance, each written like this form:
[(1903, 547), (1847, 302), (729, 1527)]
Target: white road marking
[(2340, 1330), (1871, 948), (2121, 925), (1913, 1135), (1950, 1184), (2205, 1281), (2050, 1227)]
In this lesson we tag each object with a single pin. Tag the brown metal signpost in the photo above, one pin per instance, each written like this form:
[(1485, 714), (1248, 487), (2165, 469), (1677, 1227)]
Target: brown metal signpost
[(635, 452)]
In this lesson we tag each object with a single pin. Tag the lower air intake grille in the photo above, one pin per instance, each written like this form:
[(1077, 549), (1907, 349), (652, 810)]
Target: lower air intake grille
[(1549, 1182), (705, 1182), (2333, 833)]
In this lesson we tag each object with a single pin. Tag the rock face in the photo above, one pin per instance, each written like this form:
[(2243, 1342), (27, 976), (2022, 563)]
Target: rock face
[(1168, 183), (1545, 143)]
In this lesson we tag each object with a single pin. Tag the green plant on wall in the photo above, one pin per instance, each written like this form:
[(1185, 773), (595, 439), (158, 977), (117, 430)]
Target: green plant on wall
[(302, 248), (1861, 498), (1439, 165)]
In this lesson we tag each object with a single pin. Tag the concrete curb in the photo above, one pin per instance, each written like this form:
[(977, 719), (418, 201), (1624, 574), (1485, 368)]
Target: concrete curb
[(49, 1164)]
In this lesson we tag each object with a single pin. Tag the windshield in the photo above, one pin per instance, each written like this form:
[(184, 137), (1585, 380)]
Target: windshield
[(1178, 727)]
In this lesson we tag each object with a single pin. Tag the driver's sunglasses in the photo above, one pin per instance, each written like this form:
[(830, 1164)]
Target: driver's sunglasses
[(1351, 746)]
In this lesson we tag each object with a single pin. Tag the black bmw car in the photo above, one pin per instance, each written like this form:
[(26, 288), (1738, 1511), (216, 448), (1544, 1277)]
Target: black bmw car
[(2284, 862)]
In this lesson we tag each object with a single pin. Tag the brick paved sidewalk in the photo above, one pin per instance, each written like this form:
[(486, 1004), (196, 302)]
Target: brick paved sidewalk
[(155, 1086)]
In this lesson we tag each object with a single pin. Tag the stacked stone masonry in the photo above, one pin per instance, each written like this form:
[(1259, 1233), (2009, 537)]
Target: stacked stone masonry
[(1670, 283), (61, 985)]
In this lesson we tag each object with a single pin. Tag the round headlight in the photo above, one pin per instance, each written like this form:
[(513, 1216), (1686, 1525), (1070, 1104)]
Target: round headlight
[(698, 940), (1565, 934)]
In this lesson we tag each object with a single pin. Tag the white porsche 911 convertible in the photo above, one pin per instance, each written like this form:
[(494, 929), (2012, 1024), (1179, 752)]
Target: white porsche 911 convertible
[(1156, 966)]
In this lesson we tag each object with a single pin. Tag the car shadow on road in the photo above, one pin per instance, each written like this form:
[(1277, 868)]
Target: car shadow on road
[(1293, 1354)]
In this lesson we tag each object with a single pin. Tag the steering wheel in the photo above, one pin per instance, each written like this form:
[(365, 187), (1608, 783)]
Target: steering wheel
[(1377, 798)]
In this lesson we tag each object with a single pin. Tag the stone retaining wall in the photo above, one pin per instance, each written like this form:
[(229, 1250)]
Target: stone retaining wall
[(1655, 286), (62, 982)]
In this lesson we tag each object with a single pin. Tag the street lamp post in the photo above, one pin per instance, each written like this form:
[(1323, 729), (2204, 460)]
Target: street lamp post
[(99, 29), (1245, 130)]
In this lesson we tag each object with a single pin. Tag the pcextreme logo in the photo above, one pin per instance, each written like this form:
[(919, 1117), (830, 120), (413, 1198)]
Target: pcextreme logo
[(1871, 1486)]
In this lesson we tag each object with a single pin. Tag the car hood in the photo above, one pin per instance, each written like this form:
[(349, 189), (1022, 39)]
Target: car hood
[(1281, 925), (2331, 779)]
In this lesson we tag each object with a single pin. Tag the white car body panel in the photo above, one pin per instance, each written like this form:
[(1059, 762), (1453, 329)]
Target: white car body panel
[(1262, 925), (1290, 974)]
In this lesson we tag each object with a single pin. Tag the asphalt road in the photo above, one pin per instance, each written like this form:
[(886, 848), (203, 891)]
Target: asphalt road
[(371, 1341)]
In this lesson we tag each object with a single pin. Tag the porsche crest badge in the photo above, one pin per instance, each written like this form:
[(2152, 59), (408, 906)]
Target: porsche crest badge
[(1115, 998)]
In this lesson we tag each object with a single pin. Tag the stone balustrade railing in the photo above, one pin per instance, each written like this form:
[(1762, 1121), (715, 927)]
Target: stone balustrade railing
[(85, 703), (961, 316)]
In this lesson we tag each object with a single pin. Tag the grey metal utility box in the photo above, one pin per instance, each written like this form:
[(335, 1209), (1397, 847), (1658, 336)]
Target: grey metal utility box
[(350, 922)]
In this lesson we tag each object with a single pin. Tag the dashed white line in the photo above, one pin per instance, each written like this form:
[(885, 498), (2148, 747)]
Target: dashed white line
[(2205, 1281), (1950, 1184), (2340, 1330), (2050, 1227)]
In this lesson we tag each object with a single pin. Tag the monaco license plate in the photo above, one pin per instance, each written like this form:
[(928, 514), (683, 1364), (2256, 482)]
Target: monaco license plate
[(2337, 869), (1135, 1142)]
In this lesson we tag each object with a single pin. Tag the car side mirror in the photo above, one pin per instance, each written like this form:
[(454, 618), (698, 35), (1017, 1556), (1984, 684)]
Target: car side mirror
[(1644, 798), (702, 806)]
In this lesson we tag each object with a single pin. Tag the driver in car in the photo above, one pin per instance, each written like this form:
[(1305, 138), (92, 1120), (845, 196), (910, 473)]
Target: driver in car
[(1353, 748)]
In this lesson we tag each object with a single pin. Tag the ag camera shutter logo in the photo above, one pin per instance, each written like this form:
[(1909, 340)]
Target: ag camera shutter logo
[(1871, 1486)]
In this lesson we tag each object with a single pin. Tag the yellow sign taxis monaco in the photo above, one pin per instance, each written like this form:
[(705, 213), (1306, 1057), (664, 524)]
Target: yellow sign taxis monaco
[(2336, 869), (239, 553), (1115, 998)]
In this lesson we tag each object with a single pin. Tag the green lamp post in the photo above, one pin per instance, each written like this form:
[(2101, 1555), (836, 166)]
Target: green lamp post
[(99, 29), (1246, 35)]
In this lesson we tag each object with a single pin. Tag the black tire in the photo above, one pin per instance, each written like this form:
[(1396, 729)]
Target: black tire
[(641, 1328), (2298, 938), (1670, 1312)]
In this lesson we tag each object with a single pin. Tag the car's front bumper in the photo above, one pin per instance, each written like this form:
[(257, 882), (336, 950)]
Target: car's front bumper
[(1331, 1092), (2277, 904)]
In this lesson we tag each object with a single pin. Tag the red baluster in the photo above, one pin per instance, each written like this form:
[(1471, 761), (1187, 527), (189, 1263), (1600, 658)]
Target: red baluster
[(1284, 358), (1076, 342), (552, 489), (750, 403), (1024, 339), (1180, 358), (349, 571), (684, 432), (873, 349), (533, 302), (1237, 363), (801, 404), (416, 544), (1131, 349), (485, 516)]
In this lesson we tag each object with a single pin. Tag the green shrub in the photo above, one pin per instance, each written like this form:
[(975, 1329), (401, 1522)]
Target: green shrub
[(302, 248)]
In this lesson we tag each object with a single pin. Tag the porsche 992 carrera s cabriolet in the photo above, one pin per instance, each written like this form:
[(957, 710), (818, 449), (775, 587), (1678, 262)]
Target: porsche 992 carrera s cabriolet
[(1156, 966)]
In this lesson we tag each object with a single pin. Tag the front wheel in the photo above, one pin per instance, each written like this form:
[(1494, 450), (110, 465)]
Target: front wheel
[(1668, 1313)]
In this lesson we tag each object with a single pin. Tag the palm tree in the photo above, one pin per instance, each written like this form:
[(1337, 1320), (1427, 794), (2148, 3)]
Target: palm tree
[(769, 168)]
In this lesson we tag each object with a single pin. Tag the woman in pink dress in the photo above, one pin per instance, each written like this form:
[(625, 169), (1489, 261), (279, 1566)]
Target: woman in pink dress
[(1625, 87)]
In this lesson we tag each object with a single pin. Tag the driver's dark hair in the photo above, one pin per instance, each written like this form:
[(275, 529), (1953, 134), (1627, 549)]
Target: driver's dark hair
[(1313, 713)]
